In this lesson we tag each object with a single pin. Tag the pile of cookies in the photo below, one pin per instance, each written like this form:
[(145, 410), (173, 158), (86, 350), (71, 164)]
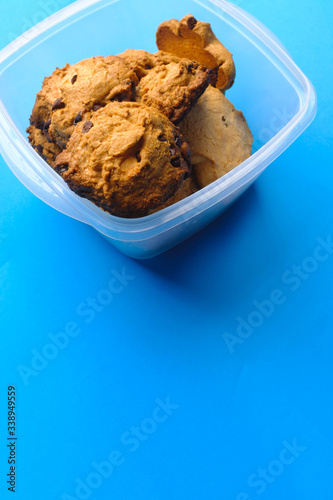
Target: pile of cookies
[(136, 132)]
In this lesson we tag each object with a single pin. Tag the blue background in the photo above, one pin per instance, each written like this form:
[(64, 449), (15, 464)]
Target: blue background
[(159, 377)]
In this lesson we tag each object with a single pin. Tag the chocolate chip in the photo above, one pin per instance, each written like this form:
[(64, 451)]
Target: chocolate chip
[(47, 125), (147, 66), (138, 157), (96, 107), (191, 22), (83, 190), (78, 118), (73, 80), (122, 96), (175, 162), (86, 127), (60, 169), (162, 138), (39, 149), (178, 141), (61, 144), (223, 119), (132, 87), (58, 104), (189, 67)]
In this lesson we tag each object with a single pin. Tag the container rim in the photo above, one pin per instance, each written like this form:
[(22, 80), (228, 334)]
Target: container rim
[(105, 222)]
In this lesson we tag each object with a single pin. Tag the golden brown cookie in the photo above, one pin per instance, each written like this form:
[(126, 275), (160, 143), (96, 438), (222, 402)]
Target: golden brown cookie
[(72, 91), (46, 149), (195, 40), (141, 62), (218, 136), (127, 159), (173, 88), (167, 82), (188, 187)]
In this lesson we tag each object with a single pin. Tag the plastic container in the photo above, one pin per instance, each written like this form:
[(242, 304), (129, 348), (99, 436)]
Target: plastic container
[(276, 98)]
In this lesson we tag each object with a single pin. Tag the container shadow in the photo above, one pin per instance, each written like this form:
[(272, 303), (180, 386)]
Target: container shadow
[(226, 262), (212, 240)]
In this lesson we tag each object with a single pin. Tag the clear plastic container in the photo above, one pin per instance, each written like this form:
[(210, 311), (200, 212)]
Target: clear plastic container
[(276, 98)]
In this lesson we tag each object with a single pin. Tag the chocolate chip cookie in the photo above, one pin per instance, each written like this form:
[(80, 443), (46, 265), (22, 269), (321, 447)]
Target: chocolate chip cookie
[(127, 158), (76, 89), (44, 147), (167, 82), (188, 187), (141, 61), (173, 88)]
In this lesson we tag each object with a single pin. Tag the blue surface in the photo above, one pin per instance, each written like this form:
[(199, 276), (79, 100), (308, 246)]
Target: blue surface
[(206, 372)]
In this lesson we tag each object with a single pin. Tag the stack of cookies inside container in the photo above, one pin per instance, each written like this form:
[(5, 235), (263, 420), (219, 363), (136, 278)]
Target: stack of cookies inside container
[(139, 131)]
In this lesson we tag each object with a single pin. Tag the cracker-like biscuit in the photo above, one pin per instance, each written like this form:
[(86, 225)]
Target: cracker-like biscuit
[(218, 136), (195, 40), (127, 159)]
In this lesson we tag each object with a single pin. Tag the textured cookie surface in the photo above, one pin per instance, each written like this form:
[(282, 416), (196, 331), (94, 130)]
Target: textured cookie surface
[(173, 88), (127, 159), (167, 82), (141, 62), (218, 136), (195, 40), (188, 187), (72, 91), (46, 149)]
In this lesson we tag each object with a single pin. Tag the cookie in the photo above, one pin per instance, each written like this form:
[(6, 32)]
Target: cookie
[(127, 159), (195, 40), (46, 149), (218, 136), (141, 62), (72, 91), (187, 188), (173, 88), (167, 82)]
